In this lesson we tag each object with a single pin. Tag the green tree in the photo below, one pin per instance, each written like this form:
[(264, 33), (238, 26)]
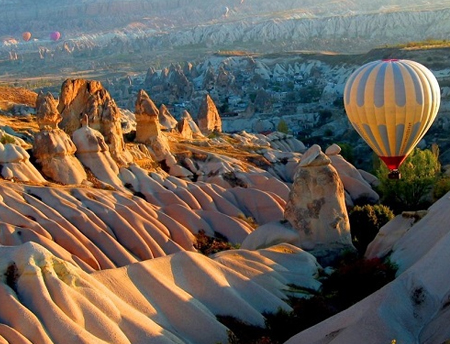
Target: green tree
[(282, 126), (419, 172), (347, 152), (366, 221)]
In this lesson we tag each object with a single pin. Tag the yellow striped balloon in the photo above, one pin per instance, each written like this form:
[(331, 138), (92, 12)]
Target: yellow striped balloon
[(392, 104)]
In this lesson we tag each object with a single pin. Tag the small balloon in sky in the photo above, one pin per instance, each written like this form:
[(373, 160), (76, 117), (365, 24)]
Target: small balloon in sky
[(55, 35), (26, 36)]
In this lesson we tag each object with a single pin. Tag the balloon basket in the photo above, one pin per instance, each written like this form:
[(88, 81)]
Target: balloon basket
[(395, 174)]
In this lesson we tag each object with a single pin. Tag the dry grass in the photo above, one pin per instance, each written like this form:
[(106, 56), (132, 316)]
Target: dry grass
[(9, 96)]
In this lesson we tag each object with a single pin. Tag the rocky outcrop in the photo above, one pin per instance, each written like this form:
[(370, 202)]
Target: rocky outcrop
[(15, 164), (208, 117), (79, 97), (53, 149), (413, 307), (93, 152), (47, 114), (166, 119), (185, 129), (354, 183), (148, 128), (316, 206), (186, 119), (147, 123)]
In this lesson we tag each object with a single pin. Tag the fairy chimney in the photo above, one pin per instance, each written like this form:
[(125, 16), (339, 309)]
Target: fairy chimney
[(208, 117), (147, 123), (53, 148), (316, 206)]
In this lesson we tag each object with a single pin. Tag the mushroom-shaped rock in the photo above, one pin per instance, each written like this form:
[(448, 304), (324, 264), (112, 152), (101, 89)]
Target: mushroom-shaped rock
[(316, 206), (53, 148), (208, 117), (55, 152), (16, 164), (93, 153), (354, 183), (148, 129), (147, 123)]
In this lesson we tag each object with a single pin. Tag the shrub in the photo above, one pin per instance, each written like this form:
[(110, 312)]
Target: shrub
[(356, 279), (209, 245), (366, 221), (7, 139), (282, 126), (441, 187)]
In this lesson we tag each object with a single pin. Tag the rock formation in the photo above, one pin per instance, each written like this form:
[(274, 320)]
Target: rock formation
[(53, 148), (47, 114), (184, 128), (166, 119), (316, 205), (79, 97), (15, 164), (147, 123), (208, 117), (187, 118), (413, 307), (354, 183), (148, 128), (93, 152)]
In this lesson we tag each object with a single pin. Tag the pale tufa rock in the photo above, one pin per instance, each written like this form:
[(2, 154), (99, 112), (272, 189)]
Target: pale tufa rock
[(354, 183), (316, 206), (93, 152), (15, 164)]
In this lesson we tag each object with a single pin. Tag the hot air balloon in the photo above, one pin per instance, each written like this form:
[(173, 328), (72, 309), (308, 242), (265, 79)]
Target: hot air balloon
[(392, 104), (55, 35), (26, 36)]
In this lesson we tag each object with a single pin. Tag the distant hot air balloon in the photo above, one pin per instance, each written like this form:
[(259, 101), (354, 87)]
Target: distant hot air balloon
[(55, 35), (392, 104), (26, 36)]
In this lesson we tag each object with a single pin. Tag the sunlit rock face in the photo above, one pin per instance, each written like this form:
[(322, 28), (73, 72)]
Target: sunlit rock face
[(148, 128), (208, 117), (93, 152), (53, 148), (47, 114), (79, 97), (167, 121), (147, 122), (316, 206)]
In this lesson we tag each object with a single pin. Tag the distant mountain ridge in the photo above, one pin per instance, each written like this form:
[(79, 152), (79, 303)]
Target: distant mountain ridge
[(225, 21)]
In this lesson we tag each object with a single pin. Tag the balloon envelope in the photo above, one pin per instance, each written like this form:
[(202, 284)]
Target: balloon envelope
[(26, 36), (392, 104), (55, 35)]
